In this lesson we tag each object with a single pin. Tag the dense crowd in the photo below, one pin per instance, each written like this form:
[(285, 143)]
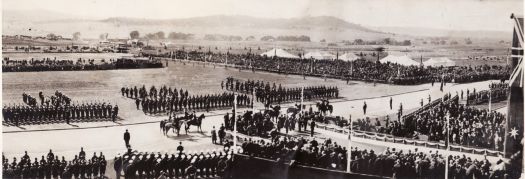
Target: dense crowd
[(497, 92), (389, 163), (355, 70), (272, 94), (51, 166), (48, 64), (182, 164), (467, 126), (167, 99)]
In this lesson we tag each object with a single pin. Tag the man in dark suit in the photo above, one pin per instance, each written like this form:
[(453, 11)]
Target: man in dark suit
[(312, 127), (126, 138)]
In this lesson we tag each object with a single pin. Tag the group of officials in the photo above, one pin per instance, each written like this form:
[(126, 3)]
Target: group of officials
[(51, 167), (27, 115), (208, 164), (167, 100)]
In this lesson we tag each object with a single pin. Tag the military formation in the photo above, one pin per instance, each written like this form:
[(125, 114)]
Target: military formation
[(271, 94), (168, 99), (175, 165), (51, 166), (59, 111)]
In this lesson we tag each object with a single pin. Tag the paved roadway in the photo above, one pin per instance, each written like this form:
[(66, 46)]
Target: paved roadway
[(147, 136)]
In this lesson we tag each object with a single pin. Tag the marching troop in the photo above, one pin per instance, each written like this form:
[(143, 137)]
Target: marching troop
[(170, 100), (51, 166), (273, 94), (86, 112)]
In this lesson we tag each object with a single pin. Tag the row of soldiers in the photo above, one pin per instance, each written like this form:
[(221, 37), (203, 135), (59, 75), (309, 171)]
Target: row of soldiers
[(294, 94), (52, 167), (176, 165), (57, 114), (273, 94), (153, 93), (153, 106)]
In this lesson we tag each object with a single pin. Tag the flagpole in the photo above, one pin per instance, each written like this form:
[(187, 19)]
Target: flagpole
[(490, 99), (349, 148), (234, 122), (448, 146), (253, 100), (302, 99)]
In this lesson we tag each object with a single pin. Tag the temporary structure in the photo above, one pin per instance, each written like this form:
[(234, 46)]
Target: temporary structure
[(402, 60), (320, 55), (279, 53), (348, 57), (439, 61)]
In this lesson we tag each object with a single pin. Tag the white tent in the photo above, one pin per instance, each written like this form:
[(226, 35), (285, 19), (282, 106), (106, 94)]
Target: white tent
[(319, 55), (439, 61), (402, 60), (279, 53), (348, 57)]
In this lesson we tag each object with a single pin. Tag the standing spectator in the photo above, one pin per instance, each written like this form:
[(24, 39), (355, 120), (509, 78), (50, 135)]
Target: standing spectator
[(213, 136), (127, 138), (312, 127), (364, 108)]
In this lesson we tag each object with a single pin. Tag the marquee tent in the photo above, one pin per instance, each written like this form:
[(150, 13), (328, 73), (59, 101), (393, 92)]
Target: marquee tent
[(439, 61), (348, 57), (279, 53), (402, 60), (319, 55)]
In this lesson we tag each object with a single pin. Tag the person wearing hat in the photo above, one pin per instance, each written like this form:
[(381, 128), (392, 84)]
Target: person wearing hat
[(127, 137), (180, 148), (118, 165), (213, 136), (191, 170)]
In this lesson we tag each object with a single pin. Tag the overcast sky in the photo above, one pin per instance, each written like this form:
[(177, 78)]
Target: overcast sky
[(441, 14)]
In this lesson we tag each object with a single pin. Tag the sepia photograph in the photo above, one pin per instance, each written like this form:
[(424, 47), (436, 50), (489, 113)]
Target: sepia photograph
[(262, 89)]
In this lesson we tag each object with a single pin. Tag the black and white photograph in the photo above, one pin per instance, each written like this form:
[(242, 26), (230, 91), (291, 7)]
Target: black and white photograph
[(262, 89)]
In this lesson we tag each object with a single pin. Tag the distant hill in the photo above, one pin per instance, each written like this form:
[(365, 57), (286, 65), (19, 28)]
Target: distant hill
[(317, 27), (41, 22), (429, 32), (248, 22)]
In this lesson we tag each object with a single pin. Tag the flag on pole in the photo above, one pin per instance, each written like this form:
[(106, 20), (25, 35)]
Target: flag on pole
[(235, 122), (514, 129)]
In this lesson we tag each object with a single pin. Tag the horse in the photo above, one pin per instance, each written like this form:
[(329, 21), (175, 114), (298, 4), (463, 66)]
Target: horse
[(194, 122), (274, 113), (166, 126), (324, 106)]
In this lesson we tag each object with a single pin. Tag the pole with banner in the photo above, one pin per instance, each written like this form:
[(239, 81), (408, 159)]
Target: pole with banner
[(490, 99), (302, 100), (349, 148), (448, 146), (253, 100), (234, 122)]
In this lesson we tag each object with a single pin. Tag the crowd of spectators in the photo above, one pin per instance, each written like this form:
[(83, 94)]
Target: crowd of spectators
[(48, 64), (355, 70), (497, 92), (389, 163), (51, 166), (468, 126)]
